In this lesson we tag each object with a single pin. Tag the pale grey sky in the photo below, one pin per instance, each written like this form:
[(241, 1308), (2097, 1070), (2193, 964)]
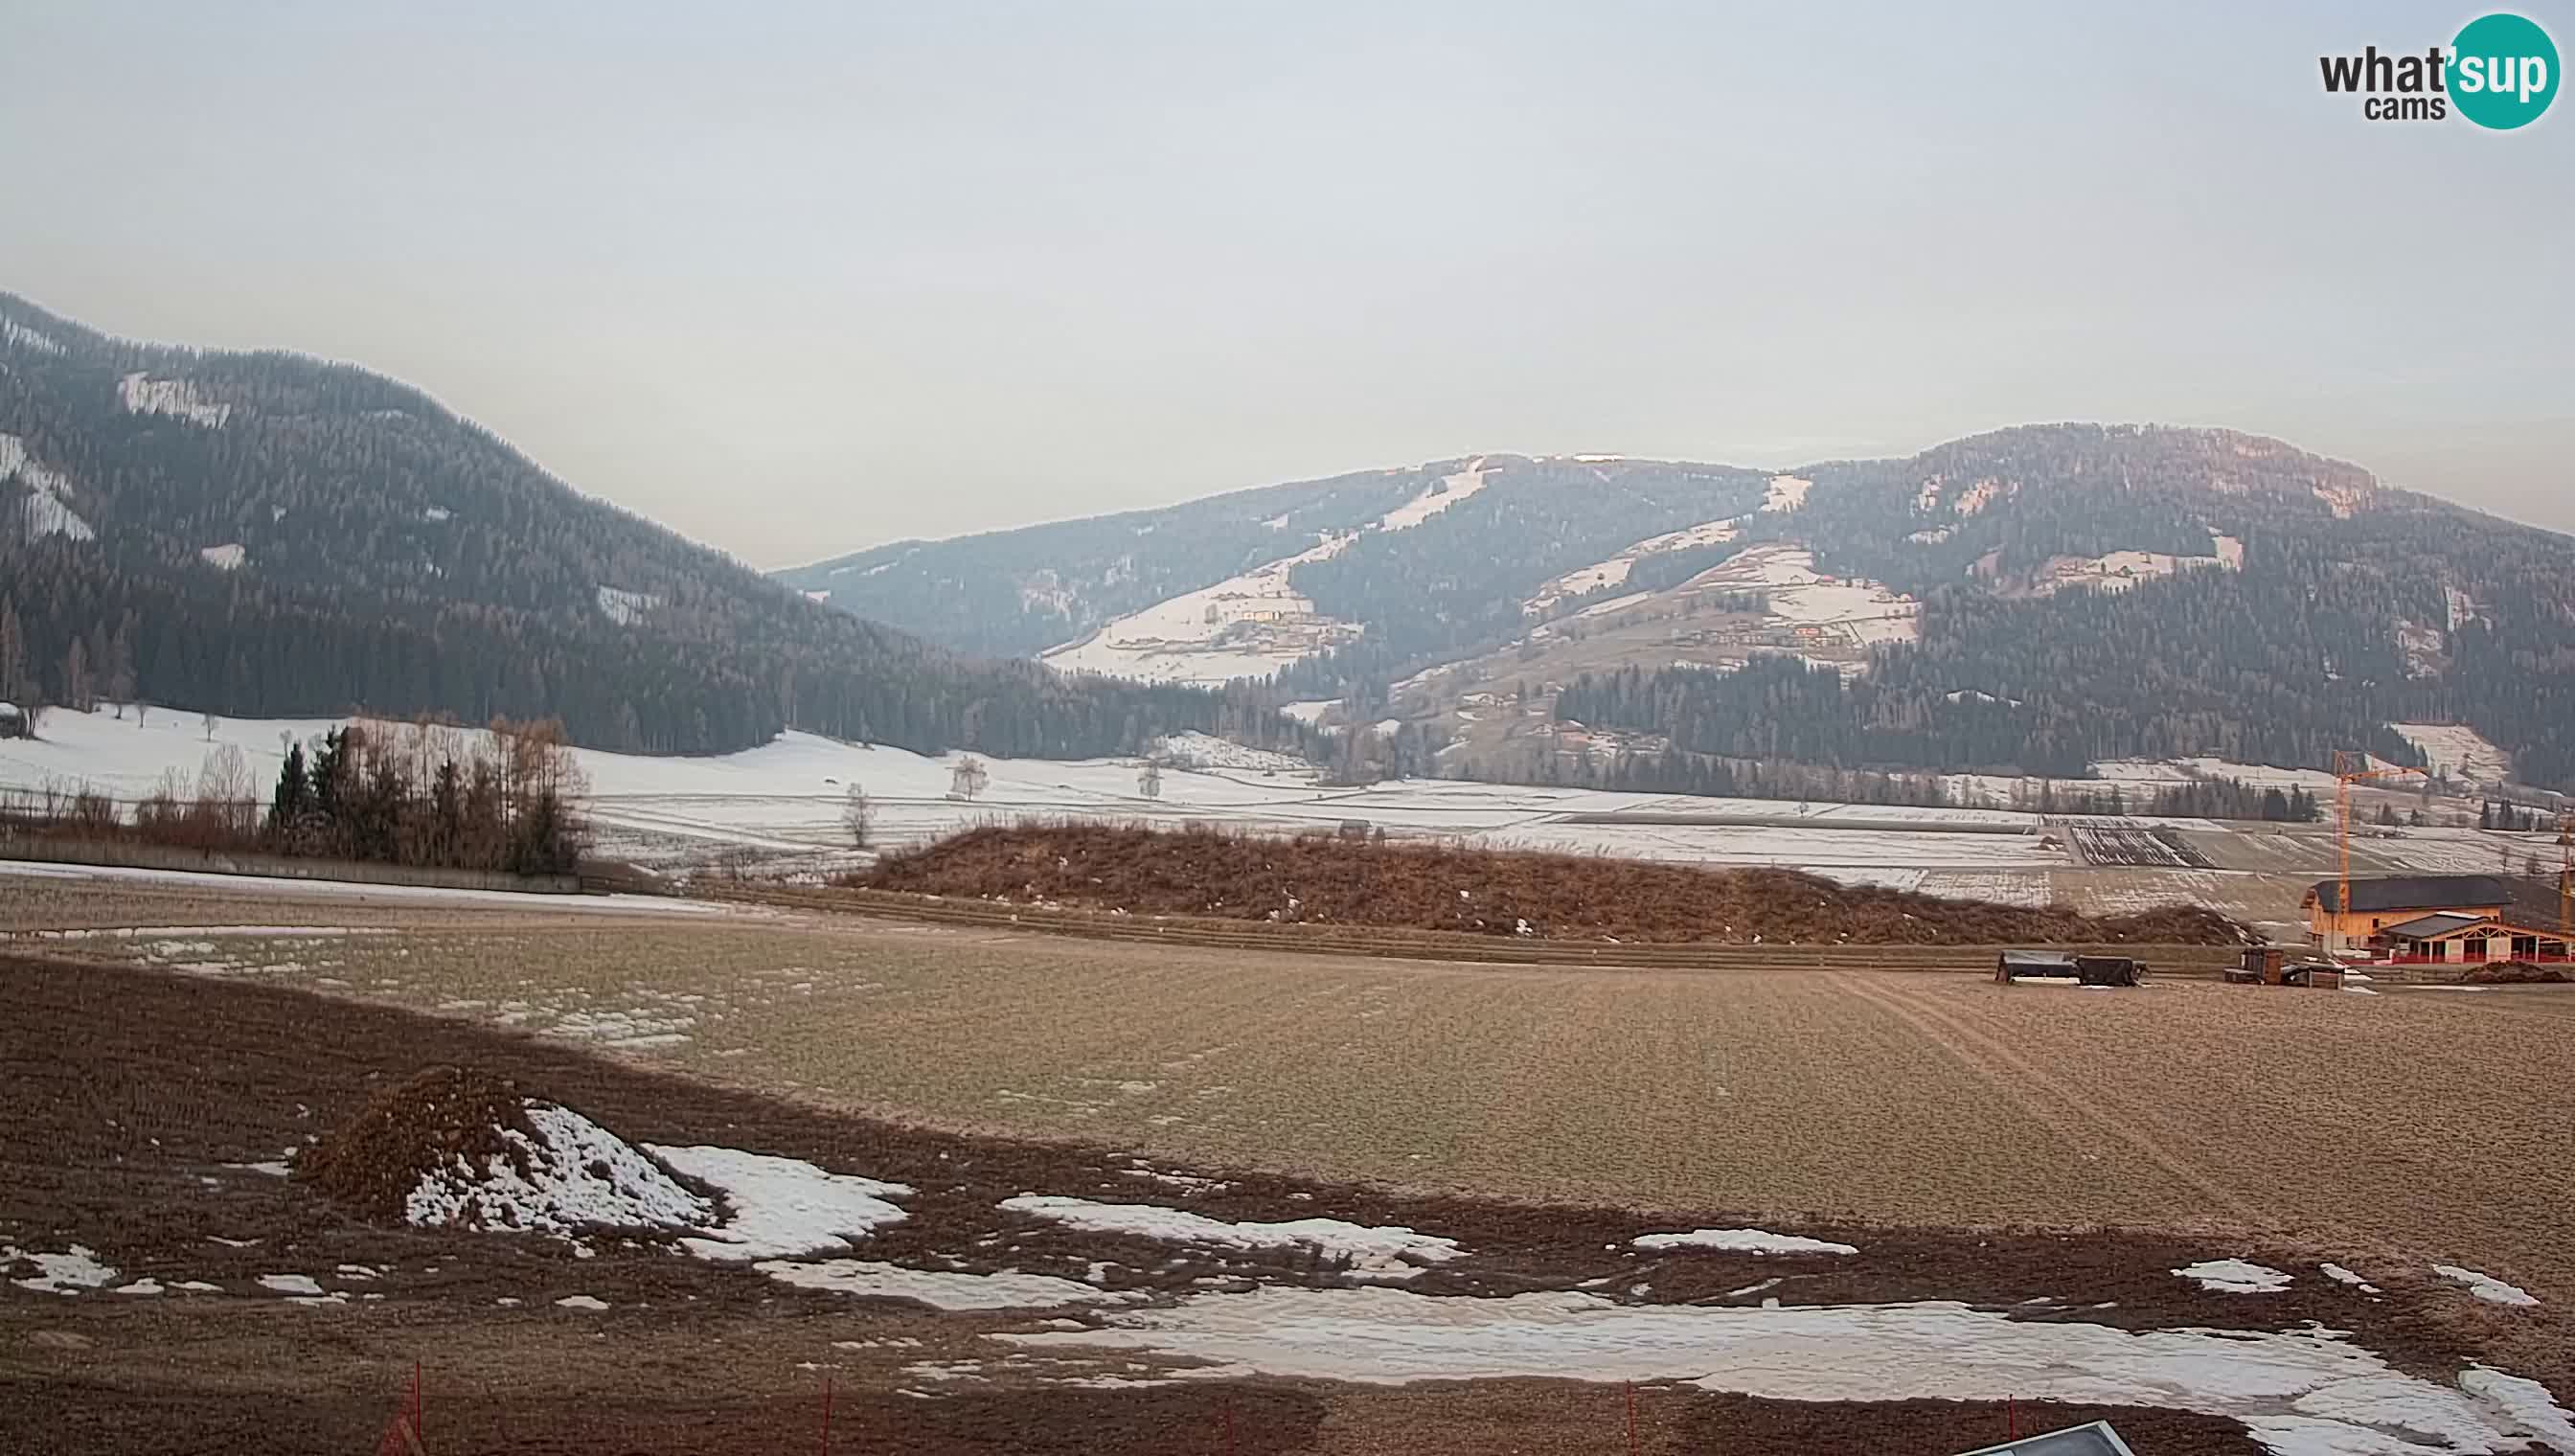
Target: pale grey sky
[(795, 279)]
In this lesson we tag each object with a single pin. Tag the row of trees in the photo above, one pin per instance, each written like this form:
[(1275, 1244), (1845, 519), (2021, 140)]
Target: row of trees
[(417, 793), (432, 794)]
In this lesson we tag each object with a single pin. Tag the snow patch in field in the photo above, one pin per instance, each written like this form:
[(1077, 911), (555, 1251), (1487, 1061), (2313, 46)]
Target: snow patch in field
[(576, 1174), (938, 1288), (781, 1206), (176, 398), (1936, 1350), (1248, 626), (2341, 1275), (226, 558), (1613, 571), (1379, 1253), (1450, 490), (1742, 1241), (2120, 569), (2525, 1400), (1785, 492), (2455, 748), (290, 1284), (69, 1272), (2235, 1276), (581, 1301), (1195, 749), (2485, 1286)]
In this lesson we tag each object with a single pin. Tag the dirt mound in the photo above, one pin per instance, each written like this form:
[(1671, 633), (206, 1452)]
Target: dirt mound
[(1324, 880), (452, 1148), (408, 1132), (2514, 974)]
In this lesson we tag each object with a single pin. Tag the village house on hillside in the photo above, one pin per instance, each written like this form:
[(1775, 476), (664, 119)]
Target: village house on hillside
[(2437, 917)]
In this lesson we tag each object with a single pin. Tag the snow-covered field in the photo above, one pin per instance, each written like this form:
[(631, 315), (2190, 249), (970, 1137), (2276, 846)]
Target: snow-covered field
[(782, 803), (778, 808), (1855, 613), (2457, 749), (1613, 571)]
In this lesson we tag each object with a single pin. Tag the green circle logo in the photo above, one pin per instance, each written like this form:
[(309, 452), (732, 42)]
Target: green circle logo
[(2504, 71)]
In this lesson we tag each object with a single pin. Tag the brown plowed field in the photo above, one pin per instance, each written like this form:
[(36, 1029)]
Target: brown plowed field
[(1961, 1132)]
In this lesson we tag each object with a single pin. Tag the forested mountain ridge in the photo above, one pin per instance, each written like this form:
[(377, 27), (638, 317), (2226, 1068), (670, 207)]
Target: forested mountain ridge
[(2050, 596), (274, 535)]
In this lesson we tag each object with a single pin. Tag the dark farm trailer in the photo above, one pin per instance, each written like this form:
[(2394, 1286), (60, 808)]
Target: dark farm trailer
[(2047, 964), (2090, 970)]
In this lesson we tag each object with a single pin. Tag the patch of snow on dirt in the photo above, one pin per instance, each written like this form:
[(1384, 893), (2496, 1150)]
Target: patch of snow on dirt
[(581, 1301), (228, 558), (2341, 1275), (781, 1206), (1376, 1252), (1742, 1241), (2485, 1286), (290, 1283), (2235, 1276), (938, 1288), (1450, 490), (1934, 1350), (69, 1272), (2527, 1400), (572, 1173)]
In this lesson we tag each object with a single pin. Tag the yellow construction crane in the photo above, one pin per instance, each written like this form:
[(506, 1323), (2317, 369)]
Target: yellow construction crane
[(2566, 880), (2343, 781)]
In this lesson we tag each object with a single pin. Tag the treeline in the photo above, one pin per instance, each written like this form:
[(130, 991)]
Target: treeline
[(422, 793), (2514, 819), (1673, 770), (430, 796)]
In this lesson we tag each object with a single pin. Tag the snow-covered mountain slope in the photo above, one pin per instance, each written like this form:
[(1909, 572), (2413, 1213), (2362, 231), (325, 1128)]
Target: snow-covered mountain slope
[(2075, 591)]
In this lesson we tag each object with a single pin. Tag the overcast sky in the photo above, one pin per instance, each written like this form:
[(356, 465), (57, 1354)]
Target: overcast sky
[(796, 279)]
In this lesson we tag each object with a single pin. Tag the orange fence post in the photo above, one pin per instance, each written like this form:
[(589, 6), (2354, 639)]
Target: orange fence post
[(1631, 1418), (826, 1413)]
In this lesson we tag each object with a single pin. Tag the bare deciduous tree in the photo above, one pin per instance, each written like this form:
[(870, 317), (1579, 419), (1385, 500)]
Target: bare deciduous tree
[(856, 816)]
